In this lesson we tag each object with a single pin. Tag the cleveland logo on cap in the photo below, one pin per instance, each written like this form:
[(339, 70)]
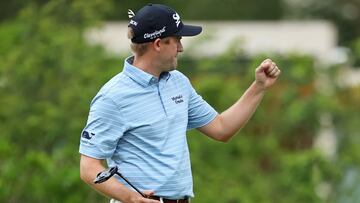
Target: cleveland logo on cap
[(155, 34)]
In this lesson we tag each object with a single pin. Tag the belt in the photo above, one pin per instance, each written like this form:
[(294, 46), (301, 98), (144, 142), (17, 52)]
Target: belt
[(164, 200)]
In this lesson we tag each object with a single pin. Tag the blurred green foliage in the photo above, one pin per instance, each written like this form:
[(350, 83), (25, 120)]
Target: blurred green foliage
[(48, 76), (272, 158), (345, 14)]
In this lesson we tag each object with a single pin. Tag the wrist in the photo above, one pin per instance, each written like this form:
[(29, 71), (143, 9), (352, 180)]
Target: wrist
[(259, 86), (131, 197)]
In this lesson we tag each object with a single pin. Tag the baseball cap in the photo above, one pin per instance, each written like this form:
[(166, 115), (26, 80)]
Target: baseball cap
[(158, 21)]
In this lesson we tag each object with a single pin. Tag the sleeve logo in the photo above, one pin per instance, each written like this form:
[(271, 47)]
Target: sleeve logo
[(87, 135)]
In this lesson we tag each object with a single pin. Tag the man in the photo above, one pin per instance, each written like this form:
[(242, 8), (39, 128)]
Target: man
[(138, 120)]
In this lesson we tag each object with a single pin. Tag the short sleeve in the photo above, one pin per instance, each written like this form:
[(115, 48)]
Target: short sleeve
[(104, 127), (200, 113)]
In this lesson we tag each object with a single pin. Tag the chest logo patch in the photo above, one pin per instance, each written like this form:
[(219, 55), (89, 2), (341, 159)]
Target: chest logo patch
[(177, 99)]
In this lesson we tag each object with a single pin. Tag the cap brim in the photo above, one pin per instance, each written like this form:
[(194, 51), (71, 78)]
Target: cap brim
[(189, 30)]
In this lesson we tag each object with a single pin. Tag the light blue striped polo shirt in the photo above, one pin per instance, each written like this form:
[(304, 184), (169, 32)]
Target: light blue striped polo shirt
[(138, 123)]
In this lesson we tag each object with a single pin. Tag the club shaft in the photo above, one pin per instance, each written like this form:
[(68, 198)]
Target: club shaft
[(142, 194)]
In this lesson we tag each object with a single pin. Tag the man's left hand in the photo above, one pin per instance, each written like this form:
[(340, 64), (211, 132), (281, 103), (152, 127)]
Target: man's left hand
[(267, 73)]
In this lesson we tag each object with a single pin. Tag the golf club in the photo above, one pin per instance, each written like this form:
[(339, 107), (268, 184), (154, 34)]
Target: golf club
[(108, 173)]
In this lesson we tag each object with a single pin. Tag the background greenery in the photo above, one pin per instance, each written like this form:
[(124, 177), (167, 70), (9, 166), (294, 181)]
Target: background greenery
[(48, 76)]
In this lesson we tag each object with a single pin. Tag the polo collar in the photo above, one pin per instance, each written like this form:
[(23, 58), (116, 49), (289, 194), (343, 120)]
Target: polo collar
[(143, 78)]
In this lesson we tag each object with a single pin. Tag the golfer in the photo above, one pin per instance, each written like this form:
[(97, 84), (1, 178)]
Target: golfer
[(139, 118)]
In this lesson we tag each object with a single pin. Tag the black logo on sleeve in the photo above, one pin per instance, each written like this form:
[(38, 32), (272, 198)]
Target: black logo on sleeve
[(177, 99), (87, 135)]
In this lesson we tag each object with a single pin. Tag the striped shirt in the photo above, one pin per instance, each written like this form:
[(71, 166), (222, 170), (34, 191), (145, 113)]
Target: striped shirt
[(138, 123)]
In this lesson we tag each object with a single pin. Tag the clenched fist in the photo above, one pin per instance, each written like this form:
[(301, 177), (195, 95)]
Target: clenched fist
[(267, 73)]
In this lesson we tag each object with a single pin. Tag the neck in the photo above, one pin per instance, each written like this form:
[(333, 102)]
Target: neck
[(147, 64)]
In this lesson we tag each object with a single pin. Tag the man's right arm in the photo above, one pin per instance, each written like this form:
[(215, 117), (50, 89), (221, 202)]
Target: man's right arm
[(90, 167)]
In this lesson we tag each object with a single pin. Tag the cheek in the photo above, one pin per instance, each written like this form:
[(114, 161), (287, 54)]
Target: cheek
[(171, 52), (176, 49)]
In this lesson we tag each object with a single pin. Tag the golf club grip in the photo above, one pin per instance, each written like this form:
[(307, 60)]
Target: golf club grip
[(142, 194)]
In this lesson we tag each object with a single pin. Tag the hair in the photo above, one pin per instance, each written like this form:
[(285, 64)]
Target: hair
[(138, 49)]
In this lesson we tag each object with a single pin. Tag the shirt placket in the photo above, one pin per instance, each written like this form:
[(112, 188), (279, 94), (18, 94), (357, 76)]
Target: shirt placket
[(160, 86)]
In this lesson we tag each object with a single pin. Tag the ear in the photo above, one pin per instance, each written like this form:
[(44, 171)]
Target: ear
[(157, 44)]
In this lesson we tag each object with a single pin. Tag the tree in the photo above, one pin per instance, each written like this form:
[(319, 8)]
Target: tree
[(48, 76)]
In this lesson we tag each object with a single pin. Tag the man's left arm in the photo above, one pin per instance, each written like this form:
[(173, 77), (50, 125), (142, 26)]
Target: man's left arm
[(226, 124)]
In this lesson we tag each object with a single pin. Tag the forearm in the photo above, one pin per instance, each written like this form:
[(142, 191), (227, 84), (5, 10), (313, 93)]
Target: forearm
[(111, 188), (225, 125), (235, 117)]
